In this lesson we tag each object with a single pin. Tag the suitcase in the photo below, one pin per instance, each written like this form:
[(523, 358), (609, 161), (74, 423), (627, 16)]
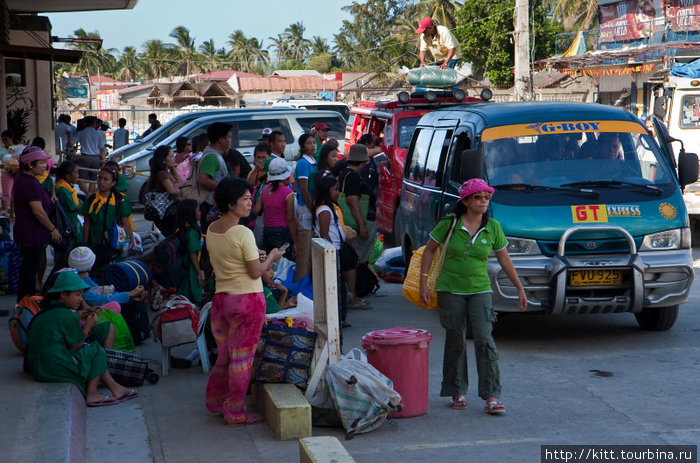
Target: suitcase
[(129, 369)]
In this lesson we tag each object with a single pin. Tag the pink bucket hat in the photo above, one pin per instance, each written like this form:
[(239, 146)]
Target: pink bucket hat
[(472, 186), (33, 153)]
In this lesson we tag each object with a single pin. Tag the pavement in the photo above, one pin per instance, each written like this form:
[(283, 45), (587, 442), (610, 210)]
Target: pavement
[(546, 364)]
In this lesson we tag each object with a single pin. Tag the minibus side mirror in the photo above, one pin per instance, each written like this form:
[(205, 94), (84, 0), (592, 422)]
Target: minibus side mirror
[(471, 164), (687, 168), (660, 107)]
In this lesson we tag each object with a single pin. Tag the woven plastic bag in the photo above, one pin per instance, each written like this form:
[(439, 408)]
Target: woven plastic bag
[(432, 76), (411, 284)]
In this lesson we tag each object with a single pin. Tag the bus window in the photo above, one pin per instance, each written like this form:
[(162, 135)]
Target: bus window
[(419, 156)]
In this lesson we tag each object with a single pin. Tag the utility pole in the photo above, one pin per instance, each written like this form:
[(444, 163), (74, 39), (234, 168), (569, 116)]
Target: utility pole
[(522, 51)]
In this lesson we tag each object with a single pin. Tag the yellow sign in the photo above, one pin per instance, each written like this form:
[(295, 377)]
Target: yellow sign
[(668, 210), (592, 213), (559, 127), (597, 277)]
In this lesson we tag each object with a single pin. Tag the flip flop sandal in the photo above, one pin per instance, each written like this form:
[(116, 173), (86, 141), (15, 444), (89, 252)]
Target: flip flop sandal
[(130, 395), (495, 408), (106, 400), (459, 403), (362, 305), (251, 419)]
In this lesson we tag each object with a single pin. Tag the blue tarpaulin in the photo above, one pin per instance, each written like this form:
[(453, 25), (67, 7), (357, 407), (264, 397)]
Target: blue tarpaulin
[(691, 70)]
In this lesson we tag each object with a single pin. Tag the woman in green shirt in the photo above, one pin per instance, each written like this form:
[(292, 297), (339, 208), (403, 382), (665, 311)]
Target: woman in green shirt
[(66, 178), (57, 350), (102, 210), (465, 294)]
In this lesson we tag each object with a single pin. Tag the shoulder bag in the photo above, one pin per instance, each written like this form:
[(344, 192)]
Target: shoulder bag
[(411, 284)]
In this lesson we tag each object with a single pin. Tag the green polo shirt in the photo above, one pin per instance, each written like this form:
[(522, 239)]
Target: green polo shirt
[(465, 270)]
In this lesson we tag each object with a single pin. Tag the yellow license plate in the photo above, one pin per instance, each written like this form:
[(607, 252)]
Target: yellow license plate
[(598, 277)]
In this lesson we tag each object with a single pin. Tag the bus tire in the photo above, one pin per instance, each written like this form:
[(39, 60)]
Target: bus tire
[(657, 318)]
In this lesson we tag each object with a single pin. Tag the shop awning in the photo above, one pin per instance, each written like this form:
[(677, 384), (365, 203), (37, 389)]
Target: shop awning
[(42, 53)]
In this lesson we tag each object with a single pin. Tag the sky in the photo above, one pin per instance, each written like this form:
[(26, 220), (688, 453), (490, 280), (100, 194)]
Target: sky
[(215, 19)]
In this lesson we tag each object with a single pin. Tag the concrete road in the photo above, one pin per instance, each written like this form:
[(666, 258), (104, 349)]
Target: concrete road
[(649, 396)]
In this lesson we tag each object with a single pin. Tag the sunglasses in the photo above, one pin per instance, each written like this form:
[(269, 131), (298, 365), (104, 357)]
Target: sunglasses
[(487, 197)]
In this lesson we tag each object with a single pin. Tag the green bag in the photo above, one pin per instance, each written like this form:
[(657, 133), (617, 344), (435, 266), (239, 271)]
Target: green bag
[(122, 335), (348, 218)]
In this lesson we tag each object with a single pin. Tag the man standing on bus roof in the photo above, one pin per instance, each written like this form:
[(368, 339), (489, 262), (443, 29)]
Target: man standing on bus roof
[(441, 43)]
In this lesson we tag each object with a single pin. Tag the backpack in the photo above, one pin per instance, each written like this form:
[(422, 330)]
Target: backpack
[(168, 266), (191, 189), (177, 322), (367, 282), (24, 313)]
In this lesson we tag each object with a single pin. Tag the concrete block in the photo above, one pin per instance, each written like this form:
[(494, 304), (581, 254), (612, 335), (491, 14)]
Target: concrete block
[(286, 411), (323, 449), (56, 412)]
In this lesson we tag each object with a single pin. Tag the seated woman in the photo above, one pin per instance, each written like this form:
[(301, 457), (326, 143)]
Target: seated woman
[(57, 350)]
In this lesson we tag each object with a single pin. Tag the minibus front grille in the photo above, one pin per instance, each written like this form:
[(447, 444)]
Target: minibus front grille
[(589, 246)]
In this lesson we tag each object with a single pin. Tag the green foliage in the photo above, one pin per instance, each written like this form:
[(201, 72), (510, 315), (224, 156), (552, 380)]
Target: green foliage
[(485, 32), (322, 63)]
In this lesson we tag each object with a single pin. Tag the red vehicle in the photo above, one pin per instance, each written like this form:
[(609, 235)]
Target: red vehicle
[(395, 121)]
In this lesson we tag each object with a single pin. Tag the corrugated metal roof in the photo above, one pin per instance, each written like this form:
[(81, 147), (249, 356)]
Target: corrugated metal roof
[(223, 75), (278, 83)]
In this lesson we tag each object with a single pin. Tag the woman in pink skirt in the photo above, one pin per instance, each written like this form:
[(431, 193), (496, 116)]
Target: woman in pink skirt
[(238, 308)]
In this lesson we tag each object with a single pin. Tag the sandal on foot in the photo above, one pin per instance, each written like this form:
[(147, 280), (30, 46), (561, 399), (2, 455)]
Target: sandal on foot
[(107, 399), (128, 396), (459, 403), (250, 419), (360, 305), (495, 408)]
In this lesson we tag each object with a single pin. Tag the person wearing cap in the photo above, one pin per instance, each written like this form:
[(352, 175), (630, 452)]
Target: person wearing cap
[(276, 200), (82, 259), (465, 293), (321, 131), (357, 202), (57, 347), (439, 40), (265, 135), (33, 229)]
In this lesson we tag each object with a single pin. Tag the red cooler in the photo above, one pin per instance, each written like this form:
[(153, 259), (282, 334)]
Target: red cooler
[(402, 354)]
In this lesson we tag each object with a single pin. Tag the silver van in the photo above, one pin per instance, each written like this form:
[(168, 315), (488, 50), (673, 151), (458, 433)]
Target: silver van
[(167, 129), (247, 127)]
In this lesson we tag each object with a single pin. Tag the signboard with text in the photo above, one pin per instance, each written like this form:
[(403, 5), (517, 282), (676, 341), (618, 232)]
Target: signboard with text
[(625, 20), (683, 15)]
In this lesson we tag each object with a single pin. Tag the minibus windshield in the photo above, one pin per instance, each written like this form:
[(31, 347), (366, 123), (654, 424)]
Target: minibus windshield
[(603, 159)]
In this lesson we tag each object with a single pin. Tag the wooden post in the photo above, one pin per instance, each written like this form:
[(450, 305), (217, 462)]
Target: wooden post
[(522, 51), (326, 317)]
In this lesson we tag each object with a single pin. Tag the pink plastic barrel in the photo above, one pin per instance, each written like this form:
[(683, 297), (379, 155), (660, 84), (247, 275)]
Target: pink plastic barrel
[(403, 355)]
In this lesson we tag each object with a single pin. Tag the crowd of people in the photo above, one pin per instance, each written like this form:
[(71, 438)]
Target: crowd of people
[(232, 222)]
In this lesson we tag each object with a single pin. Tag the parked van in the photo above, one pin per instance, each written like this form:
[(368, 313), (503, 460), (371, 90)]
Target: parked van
[(679, 105), (591, 205), (314, 105), (247, 127), (167, 129), (394, 121)]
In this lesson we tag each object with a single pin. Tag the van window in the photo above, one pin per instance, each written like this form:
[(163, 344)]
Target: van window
[(463, 142), (246, 132), (690, 113), (336, 123), (419, 156), (343, 109), (406, 128), (438, 147), (558, 160)]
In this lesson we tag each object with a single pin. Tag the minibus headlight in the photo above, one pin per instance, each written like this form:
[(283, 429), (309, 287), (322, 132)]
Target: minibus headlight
[(404, 97), (522, 246), (677, 238)]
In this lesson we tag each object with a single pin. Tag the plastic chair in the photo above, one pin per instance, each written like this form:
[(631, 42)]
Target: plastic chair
[(201, 344)]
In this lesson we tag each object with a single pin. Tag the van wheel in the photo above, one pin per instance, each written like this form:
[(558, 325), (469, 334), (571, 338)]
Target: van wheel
[(657, 318)]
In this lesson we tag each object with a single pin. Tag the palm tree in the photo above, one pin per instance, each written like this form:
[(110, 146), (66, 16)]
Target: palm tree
[(319, 45), (576, 15), (443, 11), (128, 65), (157, 57), (209, 56), (97, 60), (281, 47), (298, 45), (186, 48), (247, 52)]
